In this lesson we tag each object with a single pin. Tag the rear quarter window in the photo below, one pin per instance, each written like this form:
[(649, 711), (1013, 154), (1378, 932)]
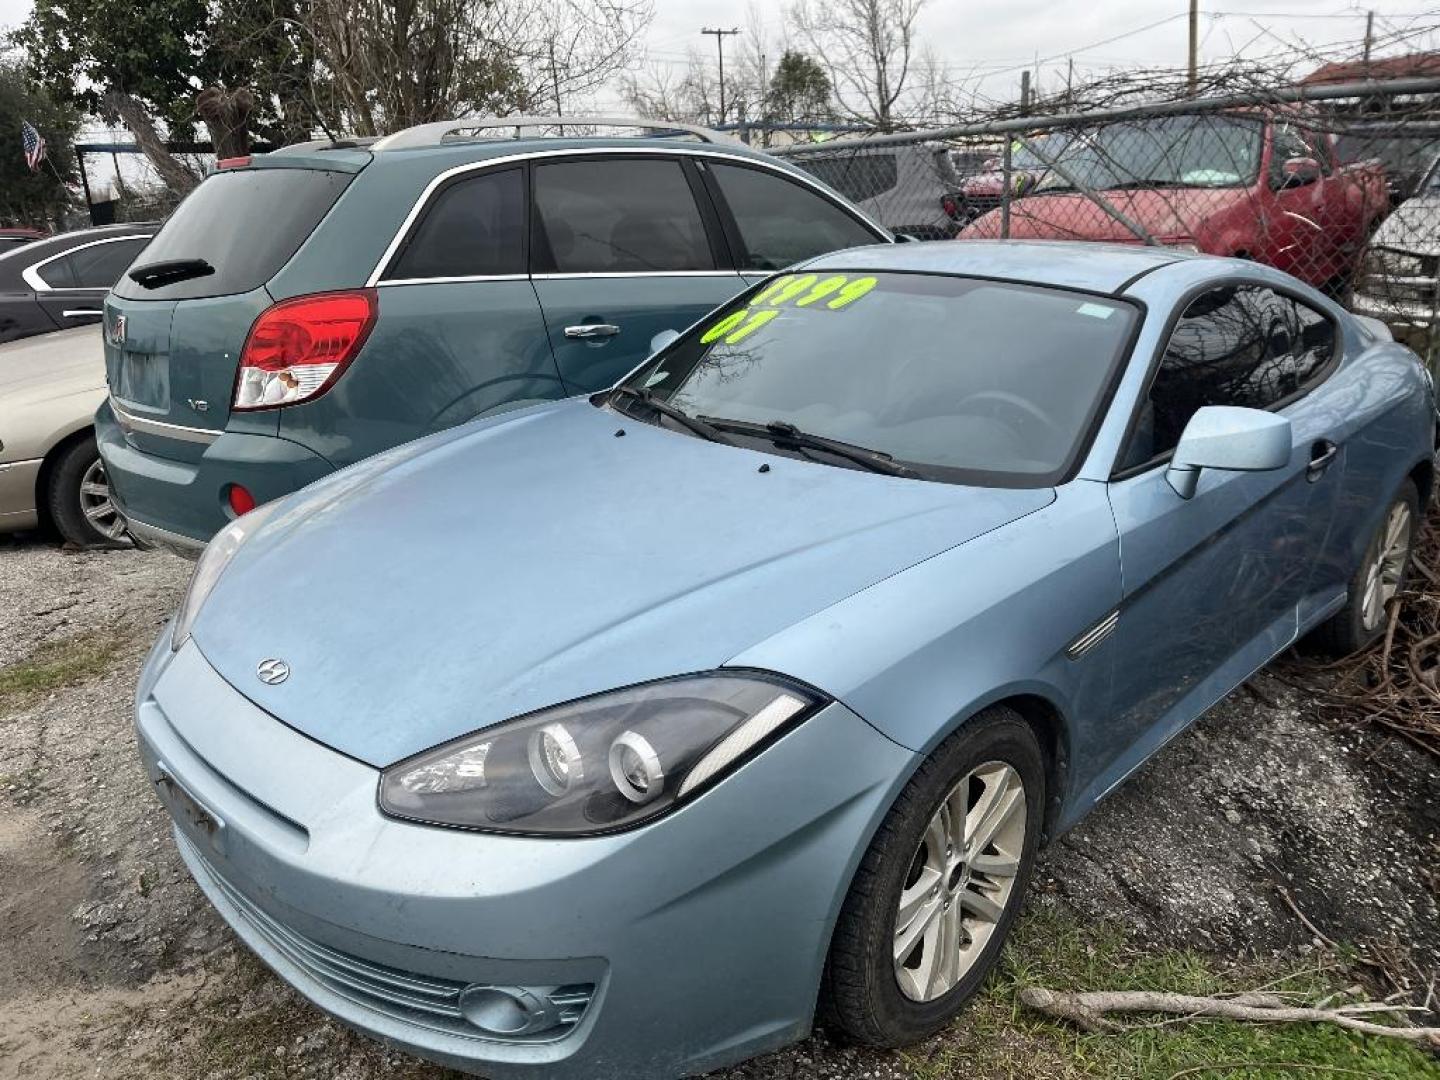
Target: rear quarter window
[(246, 223)]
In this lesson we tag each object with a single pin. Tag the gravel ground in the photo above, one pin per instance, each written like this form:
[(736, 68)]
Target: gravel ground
[(117, 967)]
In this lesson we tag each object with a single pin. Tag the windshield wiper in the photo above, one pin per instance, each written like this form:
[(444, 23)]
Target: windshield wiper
[(782, 432), (680, 416), (153, 275)]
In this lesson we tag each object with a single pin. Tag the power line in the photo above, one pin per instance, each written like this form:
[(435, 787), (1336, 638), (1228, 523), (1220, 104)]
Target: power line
[(720, 36)]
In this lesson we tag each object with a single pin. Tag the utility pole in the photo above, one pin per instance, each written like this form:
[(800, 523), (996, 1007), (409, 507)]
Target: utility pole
[(1369, 34), (720, 36), (1193, 81), (1024, 93)]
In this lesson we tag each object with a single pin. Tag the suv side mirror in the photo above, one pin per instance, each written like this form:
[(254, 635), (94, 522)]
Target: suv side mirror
[(1228, 437), (1299, 171)]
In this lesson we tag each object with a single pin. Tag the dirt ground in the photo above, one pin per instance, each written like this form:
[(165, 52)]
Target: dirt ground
[(117, 967)]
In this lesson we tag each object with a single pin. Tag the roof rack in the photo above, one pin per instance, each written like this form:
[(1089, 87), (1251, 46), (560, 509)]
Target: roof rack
[(436, 133)]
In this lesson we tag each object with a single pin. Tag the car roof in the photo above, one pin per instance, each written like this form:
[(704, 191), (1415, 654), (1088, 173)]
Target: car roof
[(1104, 268)]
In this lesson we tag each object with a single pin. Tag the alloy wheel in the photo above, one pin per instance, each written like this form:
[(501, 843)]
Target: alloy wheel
[(1389, 555), (960, 881), (96, 505)]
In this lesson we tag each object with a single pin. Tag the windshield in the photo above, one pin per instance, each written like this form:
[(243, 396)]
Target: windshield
[(961, 379), (1186, 151)]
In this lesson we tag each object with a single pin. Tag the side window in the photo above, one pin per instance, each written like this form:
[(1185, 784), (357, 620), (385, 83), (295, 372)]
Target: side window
[(473, 227), (780, 221), (96, 267), (1244, 346), (1292, 142), (99, 267), (617, 216), (59, 273)]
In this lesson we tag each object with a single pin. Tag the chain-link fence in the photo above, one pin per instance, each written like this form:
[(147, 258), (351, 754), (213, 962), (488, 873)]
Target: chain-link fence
[(1335, 184)]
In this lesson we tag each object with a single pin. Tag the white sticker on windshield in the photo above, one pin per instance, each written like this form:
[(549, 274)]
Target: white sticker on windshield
[(1095, 311), (657, 377)]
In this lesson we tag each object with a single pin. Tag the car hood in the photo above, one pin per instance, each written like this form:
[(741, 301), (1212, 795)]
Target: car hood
[(529, 560), (1414, 227), (47, 366), (1166, 213)]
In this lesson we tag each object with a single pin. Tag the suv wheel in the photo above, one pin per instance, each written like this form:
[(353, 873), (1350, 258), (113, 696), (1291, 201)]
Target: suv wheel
[(935, 894), (79, 497)]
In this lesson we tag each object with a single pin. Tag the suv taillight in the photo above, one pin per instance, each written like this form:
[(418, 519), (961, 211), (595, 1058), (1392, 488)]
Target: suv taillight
[(298, 348)]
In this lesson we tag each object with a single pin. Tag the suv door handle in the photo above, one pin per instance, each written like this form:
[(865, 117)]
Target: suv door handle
[(591, 331), (1322, 454), (80, 313)]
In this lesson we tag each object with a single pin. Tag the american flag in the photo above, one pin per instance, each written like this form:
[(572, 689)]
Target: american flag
[(34, 145)]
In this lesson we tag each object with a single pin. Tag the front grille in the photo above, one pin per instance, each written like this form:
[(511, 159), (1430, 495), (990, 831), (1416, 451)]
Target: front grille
[(423, 1000)]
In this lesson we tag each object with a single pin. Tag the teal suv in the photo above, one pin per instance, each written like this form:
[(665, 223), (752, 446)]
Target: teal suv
[(311, 307)]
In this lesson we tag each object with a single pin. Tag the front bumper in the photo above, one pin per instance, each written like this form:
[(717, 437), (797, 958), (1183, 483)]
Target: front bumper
[(180, 503), (18, 481), (678, 947)]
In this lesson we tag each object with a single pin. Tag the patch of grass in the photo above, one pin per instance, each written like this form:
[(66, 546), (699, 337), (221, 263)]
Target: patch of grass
[(998, 1037), (58, 664)]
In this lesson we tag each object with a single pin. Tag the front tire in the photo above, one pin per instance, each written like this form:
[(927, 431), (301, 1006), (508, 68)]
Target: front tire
[(940, 885), (1380, 577), (79, 497)]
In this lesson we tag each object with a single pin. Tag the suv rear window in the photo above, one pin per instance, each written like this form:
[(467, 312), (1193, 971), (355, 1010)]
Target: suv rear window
[(856, 176), (246, 223)]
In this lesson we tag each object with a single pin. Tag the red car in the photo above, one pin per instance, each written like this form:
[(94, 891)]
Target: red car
[(13, 238), (1259, 185)]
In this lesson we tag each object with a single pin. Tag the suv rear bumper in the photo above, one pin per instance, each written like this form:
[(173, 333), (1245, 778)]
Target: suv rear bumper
[(180, 505)]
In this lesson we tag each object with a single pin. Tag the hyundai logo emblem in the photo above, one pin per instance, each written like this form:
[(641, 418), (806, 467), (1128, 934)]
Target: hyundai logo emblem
[(273, 672)]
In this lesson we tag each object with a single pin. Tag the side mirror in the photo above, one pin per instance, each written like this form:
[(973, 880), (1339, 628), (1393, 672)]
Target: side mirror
[(1228, 437), (1299, 171), (663, 338)]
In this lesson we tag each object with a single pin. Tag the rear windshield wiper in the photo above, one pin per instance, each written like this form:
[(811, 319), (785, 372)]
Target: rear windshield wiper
[(783, 433), (680, 416), (153, 275)]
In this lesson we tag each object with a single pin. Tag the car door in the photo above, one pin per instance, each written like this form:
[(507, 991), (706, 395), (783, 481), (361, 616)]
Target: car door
[(1213, 585), (774, 220), (623, 246), (71, 288), (459, 334)]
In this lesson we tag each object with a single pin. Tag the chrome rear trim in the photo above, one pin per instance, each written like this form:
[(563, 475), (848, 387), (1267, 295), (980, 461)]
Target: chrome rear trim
[(130, 422)]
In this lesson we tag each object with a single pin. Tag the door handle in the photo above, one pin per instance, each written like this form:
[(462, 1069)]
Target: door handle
[(592, 331), (80, 313), (1322, 454)]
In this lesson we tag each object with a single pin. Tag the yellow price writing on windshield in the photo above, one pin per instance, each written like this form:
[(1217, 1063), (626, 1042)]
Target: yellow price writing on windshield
[(834, 293), (807, 289)]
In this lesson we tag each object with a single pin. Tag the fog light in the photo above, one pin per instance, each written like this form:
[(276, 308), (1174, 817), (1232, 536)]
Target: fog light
[(500, 1010), (240, 499)]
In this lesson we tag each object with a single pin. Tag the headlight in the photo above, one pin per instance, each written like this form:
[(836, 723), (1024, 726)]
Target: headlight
[(599, 764), (213, 560)]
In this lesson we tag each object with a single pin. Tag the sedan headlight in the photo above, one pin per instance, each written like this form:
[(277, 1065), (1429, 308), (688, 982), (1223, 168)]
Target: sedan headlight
[(213, 561), (599, 764)]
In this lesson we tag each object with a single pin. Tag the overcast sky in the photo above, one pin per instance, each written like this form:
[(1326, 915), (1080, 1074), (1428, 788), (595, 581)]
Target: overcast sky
[(994, 39)]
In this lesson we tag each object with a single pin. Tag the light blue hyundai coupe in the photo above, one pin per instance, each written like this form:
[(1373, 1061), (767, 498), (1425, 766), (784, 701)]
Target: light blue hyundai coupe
[(620, 736)]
